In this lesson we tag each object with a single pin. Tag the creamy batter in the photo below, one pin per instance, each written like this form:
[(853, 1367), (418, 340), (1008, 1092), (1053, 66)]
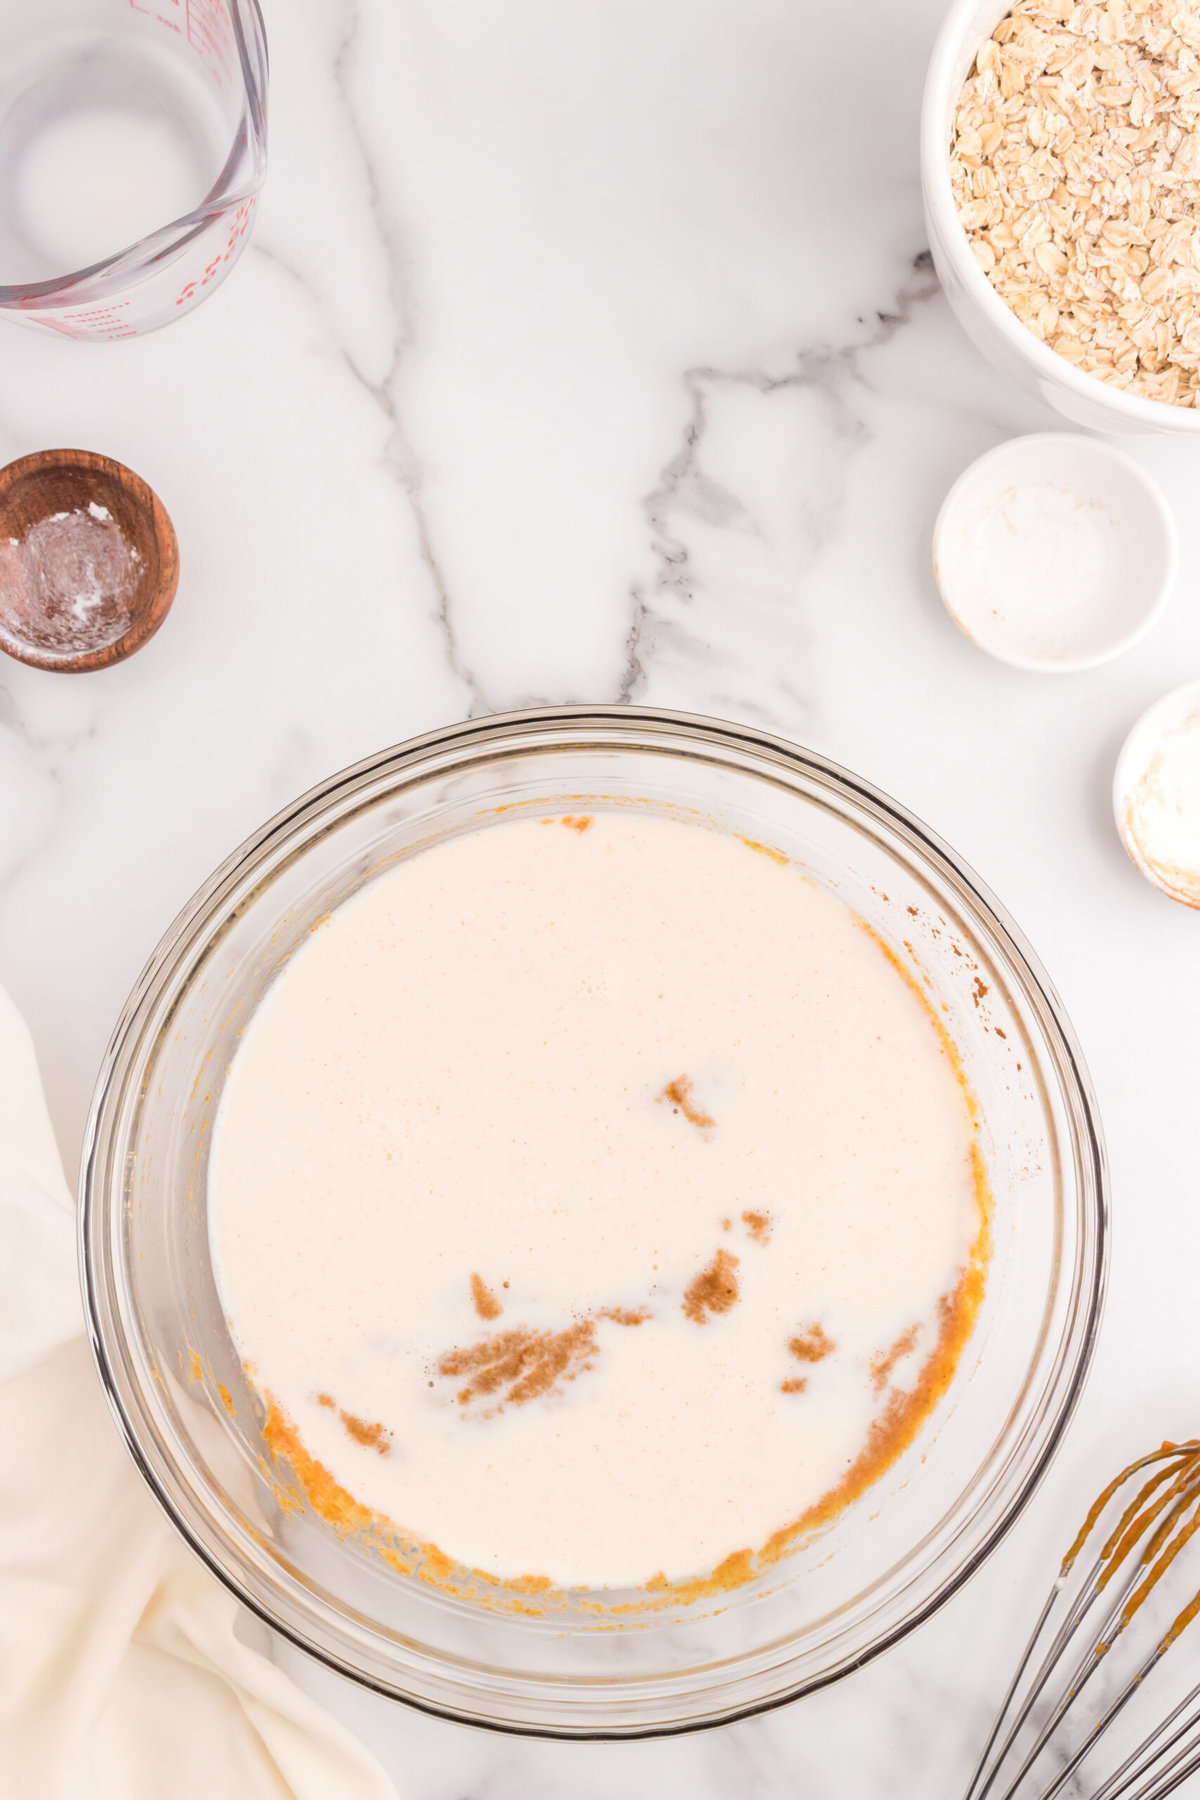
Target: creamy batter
[(594, 1198)]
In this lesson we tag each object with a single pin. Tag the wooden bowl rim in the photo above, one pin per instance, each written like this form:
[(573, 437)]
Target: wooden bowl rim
[(148, 620)]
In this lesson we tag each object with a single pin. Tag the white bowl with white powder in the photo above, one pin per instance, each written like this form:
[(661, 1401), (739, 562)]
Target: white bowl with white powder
[(1054, 552), (1156, 794)]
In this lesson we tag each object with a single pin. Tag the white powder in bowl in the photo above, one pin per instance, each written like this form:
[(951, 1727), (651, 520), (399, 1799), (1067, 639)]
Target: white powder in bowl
[(1053, 552), (1046, 570), (1161, 822), (68, 587)]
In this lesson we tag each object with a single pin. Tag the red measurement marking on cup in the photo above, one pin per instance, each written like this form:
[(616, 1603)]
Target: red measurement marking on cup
[(210, 31), (237, 231), (91, 322), (204, 25), (166, 12)]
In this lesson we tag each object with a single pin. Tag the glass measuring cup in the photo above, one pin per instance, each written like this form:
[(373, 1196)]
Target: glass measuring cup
[(132, 149)]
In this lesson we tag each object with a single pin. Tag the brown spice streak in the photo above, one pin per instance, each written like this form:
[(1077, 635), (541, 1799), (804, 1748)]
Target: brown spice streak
[(678, 1093), (812, 1345), (759, 1226), (714, 1290), (522, 1364), (483, 1299), (883, 1364), (370, 1433)]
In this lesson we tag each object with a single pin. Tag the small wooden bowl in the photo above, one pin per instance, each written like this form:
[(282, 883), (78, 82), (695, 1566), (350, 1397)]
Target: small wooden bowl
[(89, 562)]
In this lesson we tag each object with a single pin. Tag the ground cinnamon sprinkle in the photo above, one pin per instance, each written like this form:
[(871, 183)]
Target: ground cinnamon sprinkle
[(811, 1345), (678, 1093), (522, 1364), (369, 1433), (883, 1364), (759, 1226), (795, 1384), (485, 1302), (714, 1290)]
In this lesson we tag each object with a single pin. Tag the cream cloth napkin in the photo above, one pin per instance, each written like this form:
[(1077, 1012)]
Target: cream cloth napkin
[(121, 1677)]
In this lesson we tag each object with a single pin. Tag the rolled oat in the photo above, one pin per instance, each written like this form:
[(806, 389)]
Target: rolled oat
[(1075, 164)]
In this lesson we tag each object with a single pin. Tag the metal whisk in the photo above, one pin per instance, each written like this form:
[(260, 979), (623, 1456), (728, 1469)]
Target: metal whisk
[(1092, 1605)]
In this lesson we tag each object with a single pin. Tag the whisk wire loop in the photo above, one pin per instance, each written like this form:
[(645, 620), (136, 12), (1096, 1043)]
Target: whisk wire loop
[(1085, 1616)]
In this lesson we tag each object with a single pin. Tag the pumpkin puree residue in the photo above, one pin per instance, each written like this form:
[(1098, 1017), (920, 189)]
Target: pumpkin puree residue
[(905, 1412), (327, 1496), (196, 1370), (758, 1224), (767, 850), (714, 1290), (891, 1434), (483, 1299), (1164, 1507), (678, 1093)]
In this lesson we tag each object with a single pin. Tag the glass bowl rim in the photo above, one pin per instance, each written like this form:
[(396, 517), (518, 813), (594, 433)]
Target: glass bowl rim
[(618, 726)]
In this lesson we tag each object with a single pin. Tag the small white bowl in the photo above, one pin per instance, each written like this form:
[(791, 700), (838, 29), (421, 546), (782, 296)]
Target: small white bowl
[(992, 326), (1133, 784), (1054, 552)]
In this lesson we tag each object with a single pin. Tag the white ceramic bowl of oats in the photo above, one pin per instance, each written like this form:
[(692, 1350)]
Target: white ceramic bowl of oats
[(1084, 385)]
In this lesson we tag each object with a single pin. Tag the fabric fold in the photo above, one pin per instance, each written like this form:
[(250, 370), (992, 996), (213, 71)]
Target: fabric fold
[(125, 1670)]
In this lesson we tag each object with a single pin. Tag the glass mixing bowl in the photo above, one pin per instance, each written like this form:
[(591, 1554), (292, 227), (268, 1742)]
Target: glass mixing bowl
[(194, 1425)]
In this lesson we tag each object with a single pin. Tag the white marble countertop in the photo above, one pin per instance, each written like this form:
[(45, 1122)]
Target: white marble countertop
[(584, 353)]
